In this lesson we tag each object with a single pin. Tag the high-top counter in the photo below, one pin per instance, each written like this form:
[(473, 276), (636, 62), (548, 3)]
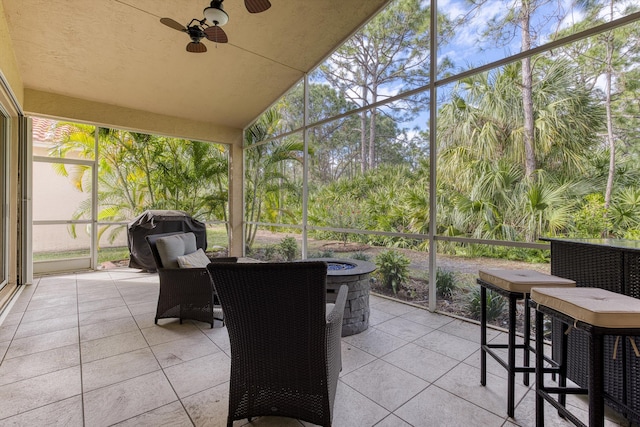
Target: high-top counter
[(612, 264)]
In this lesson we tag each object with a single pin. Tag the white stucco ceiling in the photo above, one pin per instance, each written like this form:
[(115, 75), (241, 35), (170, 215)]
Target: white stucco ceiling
[(116, 52)]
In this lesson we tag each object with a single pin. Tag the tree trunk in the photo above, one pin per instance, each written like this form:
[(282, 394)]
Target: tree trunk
[(372, 139), (528, 136), (363, 141), (607, 103)]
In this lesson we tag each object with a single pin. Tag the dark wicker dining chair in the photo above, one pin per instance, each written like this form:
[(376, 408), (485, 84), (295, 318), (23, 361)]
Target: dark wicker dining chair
[(185, 293), (285, 340)]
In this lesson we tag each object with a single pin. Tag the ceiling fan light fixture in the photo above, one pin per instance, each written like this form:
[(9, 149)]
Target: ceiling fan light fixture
[(215, 14)]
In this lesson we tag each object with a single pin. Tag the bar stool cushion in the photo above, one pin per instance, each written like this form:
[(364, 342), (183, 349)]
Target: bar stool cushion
[(521, 281), (594, 306)]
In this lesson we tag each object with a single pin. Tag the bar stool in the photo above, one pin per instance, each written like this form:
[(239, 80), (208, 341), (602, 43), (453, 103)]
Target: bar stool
[(596, 311), (514, 285)]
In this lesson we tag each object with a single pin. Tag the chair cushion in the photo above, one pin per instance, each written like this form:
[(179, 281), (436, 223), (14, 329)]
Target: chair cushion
[(197, 259), (329, 308), (521, 281), (594, 306), (171, 247)]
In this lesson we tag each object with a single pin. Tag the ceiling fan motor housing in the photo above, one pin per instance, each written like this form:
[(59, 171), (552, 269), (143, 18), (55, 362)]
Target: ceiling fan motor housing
[(215, 13)]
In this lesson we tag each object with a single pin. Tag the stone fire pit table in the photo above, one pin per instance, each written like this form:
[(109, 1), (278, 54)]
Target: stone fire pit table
[(356, 275)]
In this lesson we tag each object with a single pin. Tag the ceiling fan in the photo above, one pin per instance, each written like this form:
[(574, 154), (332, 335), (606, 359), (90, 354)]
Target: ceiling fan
[(198, 29)]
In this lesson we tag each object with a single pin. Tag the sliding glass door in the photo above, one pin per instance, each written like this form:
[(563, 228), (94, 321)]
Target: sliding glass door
[(4, 200)]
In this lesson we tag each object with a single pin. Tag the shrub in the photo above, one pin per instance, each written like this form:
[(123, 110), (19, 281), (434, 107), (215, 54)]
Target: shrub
[(495, 304), (270, 252), (288, 248), (361, 256), (446, 284), (393, 269), (326, 253)]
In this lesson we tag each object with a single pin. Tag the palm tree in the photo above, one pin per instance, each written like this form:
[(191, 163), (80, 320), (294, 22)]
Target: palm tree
[(267, 180), (137, 172)]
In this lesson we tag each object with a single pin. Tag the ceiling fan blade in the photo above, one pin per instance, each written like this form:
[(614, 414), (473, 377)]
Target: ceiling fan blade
[(257, 6), (173, 24), (196, 47), (216, 34)]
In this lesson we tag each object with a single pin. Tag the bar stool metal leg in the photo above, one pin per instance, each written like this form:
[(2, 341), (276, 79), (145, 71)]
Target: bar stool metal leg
[(483, 335), (539, 368), (596, 380), (511, 381), (527, 338)]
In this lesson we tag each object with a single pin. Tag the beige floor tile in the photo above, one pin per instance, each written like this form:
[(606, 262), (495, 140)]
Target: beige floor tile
[(65, 413), (525, 413), (385, 384), (183, 350), (140, 297), (426, 318), (404, 329), (50, 313), (392, 421), (50, 302), (421, 362), (100, 304), (437, 407), (464, 381), (29, 345), (35, 392), (95, 331), (163, 333), (132, 379), (220, 337), (352, 409), (146, 307), (88, 291), (467, 330), (106, 315), (4, 346), (27, 329), (209, 407), (375, 342), (376, 316), (111, 346), (14, 317), (111, 370), (443, 343), (36, 364), (122, 401), (199, 374), (54, 290), (145, 320), (171, 415), (7, 332), (353, 358), (394, 308)]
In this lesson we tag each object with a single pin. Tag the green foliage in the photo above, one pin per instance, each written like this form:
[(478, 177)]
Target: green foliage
[(591, 219), (326, 253), (138, 172), (446, 284), (362, 256), (495, 304), (270, 251), (288, 247), (393, 269)]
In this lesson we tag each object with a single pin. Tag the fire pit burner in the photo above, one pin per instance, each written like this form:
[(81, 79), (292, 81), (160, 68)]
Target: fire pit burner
[(339, 266)]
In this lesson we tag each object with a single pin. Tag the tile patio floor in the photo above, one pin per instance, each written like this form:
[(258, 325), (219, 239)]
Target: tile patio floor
[(83, 350)]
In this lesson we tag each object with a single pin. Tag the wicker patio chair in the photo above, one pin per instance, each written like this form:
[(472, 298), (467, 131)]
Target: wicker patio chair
[(285, 340), (185, 293)]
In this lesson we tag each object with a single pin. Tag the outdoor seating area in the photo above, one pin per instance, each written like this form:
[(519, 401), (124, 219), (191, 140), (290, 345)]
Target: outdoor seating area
[(83, 349)]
